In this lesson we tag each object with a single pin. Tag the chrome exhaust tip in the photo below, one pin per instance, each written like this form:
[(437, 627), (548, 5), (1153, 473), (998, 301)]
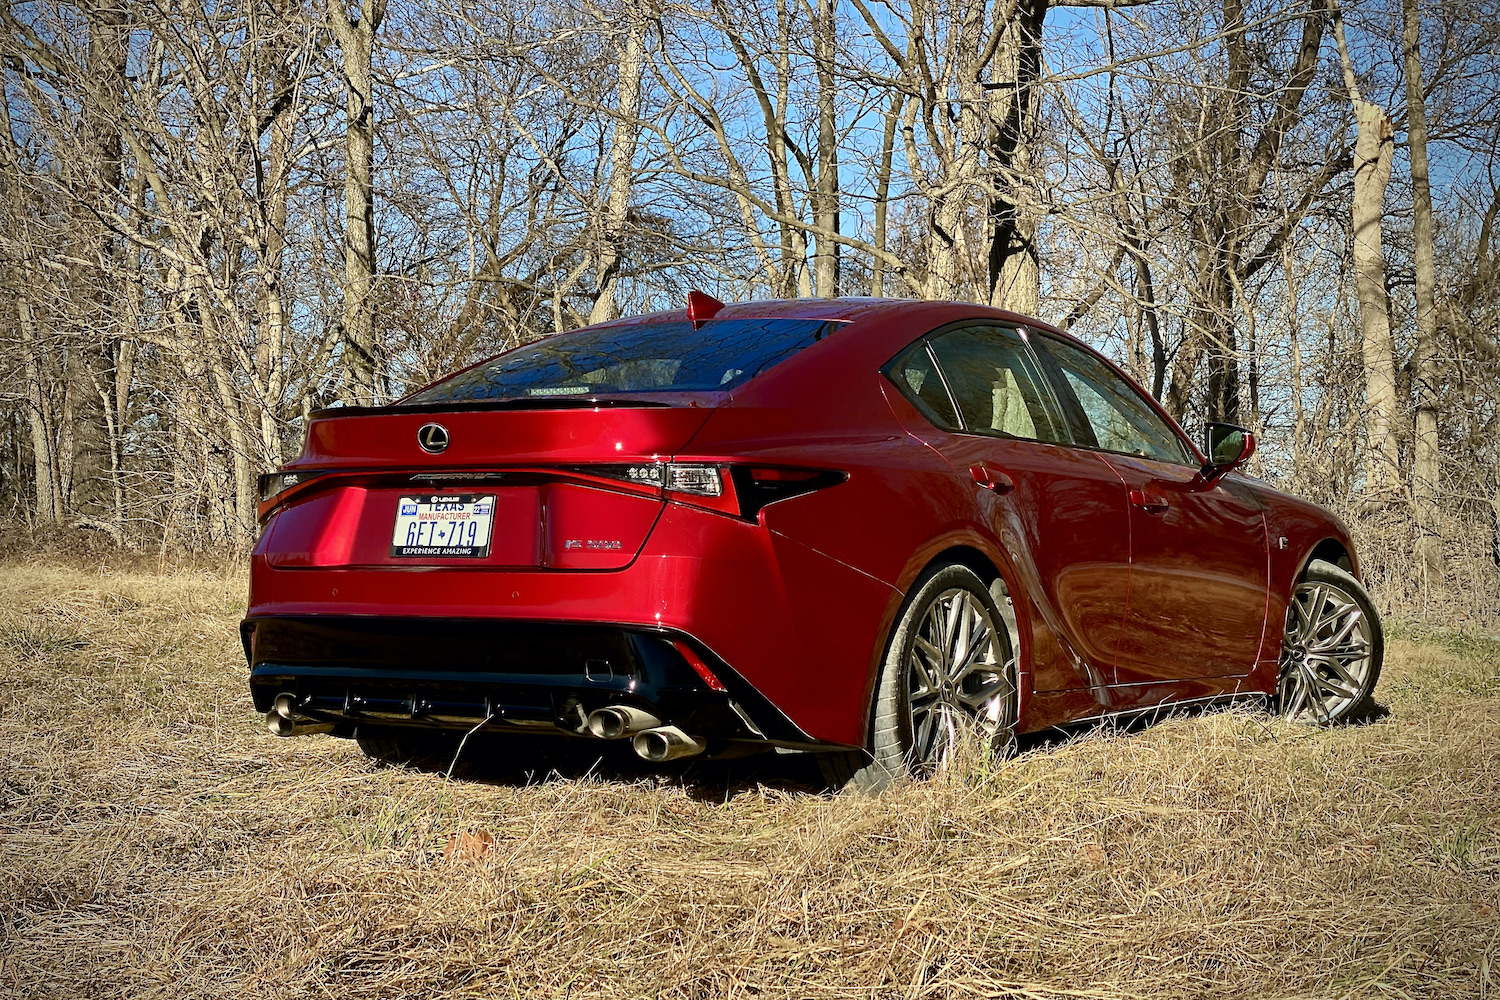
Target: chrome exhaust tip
[(284, 720), (279, 725), (666, 743), (619, 721)]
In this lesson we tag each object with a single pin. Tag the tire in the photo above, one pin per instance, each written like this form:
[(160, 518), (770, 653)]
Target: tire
[(1332, 649), (930, 695), (415, 749)]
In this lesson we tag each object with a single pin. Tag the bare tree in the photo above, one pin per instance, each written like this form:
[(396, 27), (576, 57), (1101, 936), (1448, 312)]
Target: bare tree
[(624, 138), (218, 219), (1373, 151), (356, 33), (1425, 462)]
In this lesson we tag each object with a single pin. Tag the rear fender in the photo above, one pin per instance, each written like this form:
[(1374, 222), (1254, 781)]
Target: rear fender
[(1035, 636)]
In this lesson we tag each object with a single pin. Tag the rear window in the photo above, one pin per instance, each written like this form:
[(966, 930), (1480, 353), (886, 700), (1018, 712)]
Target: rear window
[(638, 358)]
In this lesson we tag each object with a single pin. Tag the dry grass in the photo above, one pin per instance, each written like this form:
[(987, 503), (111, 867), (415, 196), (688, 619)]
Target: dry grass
[(155, 841)]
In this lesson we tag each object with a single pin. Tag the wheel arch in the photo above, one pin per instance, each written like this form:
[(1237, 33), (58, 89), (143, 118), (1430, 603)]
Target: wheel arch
[(993, 566), (964, 555), (1331, 550)]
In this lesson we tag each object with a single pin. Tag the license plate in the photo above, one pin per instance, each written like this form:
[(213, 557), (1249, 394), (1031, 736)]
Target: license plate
[(445, 526)]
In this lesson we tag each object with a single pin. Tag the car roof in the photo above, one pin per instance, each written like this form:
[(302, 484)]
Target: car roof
[(847, 309), (884, 327)]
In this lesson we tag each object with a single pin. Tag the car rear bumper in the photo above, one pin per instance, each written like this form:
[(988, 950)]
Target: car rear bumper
[(790, 632), (535, 677)]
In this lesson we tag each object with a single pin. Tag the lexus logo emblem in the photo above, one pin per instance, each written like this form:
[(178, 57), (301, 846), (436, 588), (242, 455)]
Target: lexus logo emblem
[(433, 438)]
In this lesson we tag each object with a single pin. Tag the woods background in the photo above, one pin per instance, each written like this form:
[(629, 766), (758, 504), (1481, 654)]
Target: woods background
[(218, 217)]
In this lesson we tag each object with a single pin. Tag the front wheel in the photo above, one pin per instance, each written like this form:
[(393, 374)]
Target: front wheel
[(949, 675), (1332, 650)]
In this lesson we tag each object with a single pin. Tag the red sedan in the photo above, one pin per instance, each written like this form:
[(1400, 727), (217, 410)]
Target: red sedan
[(860, 528)]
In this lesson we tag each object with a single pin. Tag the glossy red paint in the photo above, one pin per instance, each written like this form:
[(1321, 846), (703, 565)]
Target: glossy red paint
[(1132, 583), (702, 307), (1197, 604)]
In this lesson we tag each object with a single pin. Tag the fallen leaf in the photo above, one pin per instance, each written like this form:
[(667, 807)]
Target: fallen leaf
[(468, 845)]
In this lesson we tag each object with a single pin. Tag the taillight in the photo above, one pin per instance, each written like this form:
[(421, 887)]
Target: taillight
[(699, 480), (702, 486), (275, 485), (688, 482), (738, 490)]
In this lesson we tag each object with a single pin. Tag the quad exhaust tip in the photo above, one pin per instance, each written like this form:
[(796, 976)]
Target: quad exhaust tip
[(619, 721), (666, 743)]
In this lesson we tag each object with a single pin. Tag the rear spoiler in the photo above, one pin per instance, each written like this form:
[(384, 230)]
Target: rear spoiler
[(508, 403)]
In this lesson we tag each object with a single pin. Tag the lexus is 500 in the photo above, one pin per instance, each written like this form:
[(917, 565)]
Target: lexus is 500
[(859, 528)]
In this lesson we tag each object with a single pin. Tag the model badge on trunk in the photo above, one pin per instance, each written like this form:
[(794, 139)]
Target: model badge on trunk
[(433, 438)]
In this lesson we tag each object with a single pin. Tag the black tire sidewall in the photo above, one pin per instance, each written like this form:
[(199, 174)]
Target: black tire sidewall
[(890, 735)]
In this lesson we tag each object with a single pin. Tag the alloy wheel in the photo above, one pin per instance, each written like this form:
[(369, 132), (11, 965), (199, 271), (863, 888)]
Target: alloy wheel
[(1327, 655), (958, 679)]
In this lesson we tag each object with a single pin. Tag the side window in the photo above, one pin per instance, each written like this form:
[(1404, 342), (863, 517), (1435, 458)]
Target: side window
[(1120, 419), (917, 377), (997, 384)]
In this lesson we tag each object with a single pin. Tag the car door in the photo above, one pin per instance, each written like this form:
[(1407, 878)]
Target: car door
[(1060, 512), (1199, 556)]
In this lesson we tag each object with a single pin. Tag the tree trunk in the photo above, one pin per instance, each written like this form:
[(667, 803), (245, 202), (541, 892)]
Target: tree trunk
[(1373, 149), (1014, 269), (1495, 522), (1426, 455), (356, 38), (945, 244), (826, 192), (622, 159), (1372, 170), (882, 192), (49, 501), (272, 195)]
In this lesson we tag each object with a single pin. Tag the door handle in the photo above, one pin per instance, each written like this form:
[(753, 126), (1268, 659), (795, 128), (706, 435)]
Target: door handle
[(1150, 501), (992, 478)]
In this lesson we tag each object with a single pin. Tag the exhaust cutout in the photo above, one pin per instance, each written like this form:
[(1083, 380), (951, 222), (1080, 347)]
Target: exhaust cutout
[(619, 721), (666, 743)]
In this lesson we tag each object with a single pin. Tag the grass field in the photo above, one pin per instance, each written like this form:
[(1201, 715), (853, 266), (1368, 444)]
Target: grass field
[(156, 841)]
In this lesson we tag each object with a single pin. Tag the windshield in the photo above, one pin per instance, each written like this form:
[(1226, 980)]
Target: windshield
[(638, 358)]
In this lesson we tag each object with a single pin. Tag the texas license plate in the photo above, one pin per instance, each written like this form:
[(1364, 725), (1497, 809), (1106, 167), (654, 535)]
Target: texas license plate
[(451, 526)]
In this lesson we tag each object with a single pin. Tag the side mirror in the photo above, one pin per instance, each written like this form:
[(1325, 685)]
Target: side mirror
[(1227, 447)]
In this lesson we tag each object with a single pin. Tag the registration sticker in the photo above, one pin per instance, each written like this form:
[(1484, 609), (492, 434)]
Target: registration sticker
[(443, 526)]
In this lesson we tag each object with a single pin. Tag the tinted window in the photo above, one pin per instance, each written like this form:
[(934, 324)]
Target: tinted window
[(1119, 418), (638, 358), (917, 377), (997, 385)]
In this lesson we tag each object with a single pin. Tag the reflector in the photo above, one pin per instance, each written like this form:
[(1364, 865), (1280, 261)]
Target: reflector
[(696, 662)]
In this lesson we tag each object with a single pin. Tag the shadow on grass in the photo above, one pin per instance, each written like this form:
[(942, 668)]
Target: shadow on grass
[(524, 761), (1140, 722)]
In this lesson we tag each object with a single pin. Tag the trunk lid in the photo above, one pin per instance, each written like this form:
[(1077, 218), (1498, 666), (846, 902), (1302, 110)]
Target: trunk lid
[(526, 471), (558, 431)]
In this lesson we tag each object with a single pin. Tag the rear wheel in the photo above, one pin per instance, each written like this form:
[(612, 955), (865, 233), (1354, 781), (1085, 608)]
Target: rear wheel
[(1332, 650), (948, 677)]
